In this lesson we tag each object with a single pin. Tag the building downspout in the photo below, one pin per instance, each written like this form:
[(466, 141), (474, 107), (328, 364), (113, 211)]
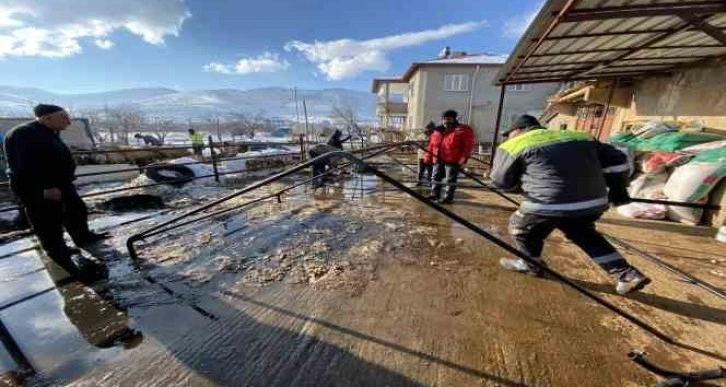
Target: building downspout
[(471, 95)]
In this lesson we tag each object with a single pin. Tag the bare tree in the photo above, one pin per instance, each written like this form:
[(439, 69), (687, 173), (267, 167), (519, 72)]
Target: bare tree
[(346, 116), (96, 120), (239, 124), (214, 125), (125, 119)]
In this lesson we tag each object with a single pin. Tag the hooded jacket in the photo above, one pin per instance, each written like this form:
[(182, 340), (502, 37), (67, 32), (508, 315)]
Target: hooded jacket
[(562, 173), (452, 146)]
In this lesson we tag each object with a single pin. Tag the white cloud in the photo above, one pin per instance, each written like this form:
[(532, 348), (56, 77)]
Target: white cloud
[(346, 58), (58, 28), (265, 63), (516, 26), (104, 44)]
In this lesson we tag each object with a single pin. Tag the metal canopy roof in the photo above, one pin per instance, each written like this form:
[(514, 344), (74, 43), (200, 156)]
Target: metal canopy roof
[(592, 39)]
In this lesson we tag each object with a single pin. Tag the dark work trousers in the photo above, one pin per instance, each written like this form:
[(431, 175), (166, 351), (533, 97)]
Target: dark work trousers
[(425, 170), (319, 167), (48, 219), (447, 174), (530, 230), (198, 149)]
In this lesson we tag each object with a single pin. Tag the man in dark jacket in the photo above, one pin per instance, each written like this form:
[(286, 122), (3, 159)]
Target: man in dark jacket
[(450, 149), (567, 179), (42, 171), (148, 139), (335, 143)]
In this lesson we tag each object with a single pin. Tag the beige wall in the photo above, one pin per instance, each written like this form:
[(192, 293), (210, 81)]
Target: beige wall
[(694, 94), (430, 99)]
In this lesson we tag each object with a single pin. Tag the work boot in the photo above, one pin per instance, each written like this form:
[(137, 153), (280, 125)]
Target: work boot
[(521, 266), (446, 201), (630, 280), (90, 271), (432, 197), (93, 237)]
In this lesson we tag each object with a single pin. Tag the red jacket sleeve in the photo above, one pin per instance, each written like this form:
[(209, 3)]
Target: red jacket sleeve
[(468, 144), (433, 144)]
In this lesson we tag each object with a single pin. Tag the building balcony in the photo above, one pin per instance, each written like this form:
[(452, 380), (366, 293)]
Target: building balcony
[(391, 109)]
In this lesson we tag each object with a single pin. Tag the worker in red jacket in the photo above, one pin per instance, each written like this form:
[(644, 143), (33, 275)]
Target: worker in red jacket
[(450, 150)]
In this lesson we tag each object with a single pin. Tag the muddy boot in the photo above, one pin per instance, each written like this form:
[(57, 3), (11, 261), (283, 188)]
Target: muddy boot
[(630, 280), (519, 265), (90, 271)]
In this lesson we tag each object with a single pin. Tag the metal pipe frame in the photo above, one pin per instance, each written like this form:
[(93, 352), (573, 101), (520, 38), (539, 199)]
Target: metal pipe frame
[(686, 276), (436, 207), (498, 123), (675, 378), (181, 180)]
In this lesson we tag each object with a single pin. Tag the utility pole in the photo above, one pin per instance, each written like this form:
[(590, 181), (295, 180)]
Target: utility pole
[(297, 109), (305, 110)]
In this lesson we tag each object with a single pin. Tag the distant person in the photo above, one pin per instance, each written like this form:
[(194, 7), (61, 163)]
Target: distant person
[(42, 171), (336, 141), (568, 178), (450, 149), (148, 139), (425, 163), (197, 141)]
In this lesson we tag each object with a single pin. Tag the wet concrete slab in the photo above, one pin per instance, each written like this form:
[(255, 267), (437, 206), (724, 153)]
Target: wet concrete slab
[(348, 286)]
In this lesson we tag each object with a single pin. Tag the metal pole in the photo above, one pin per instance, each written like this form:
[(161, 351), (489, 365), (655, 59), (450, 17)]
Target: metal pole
[(499, 122), (214, 159), (607, 108), (471, 96), (305, 111), (302, 147)]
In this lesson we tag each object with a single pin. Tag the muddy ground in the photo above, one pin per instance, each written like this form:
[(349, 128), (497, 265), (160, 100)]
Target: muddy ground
[(357, 284)]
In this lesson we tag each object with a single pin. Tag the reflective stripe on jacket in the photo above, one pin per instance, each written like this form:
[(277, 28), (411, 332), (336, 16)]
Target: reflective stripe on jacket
[(560, 172)]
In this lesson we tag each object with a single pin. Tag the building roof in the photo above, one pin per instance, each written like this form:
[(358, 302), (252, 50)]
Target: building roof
[(471, 59), (466, 60), (594, 39)]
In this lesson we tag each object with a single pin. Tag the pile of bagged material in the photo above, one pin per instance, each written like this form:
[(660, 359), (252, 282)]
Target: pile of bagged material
[(672, 163)]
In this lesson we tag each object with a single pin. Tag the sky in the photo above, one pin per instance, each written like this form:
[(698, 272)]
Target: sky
[(80, 46)]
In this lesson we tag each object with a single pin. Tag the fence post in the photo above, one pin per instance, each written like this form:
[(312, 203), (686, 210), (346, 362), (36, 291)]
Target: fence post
[(302, 147), (214, 159)]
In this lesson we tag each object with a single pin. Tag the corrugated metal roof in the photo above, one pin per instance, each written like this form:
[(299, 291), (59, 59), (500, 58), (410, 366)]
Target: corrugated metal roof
[(580, 39)]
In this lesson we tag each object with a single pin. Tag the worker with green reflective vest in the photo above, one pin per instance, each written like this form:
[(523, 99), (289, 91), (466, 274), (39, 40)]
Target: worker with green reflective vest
[(197, 141), (568, 179)]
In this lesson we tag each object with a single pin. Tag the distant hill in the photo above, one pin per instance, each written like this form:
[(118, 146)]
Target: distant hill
[(181, 105)]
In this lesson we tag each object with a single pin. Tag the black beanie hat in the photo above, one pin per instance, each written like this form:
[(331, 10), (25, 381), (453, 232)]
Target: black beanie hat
[(43, 110), (450, 113), (523, 122)]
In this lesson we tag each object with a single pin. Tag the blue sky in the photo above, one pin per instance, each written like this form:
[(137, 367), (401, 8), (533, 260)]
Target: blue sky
[(70, 46)]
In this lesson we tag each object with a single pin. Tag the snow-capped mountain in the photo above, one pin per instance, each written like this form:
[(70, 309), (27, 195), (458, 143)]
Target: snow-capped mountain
[(182, 105)]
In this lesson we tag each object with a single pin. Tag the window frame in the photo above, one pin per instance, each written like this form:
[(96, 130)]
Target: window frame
[(457, 83)]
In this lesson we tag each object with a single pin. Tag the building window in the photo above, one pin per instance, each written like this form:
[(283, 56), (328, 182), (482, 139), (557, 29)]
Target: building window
[(519, 87), (456, 82)]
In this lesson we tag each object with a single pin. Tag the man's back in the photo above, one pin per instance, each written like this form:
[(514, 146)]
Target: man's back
[(35, 153), (559, 171)]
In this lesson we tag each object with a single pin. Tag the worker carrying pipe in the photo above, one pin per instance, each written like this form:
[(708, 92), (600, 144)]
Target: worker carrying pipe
[(568, 179)]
